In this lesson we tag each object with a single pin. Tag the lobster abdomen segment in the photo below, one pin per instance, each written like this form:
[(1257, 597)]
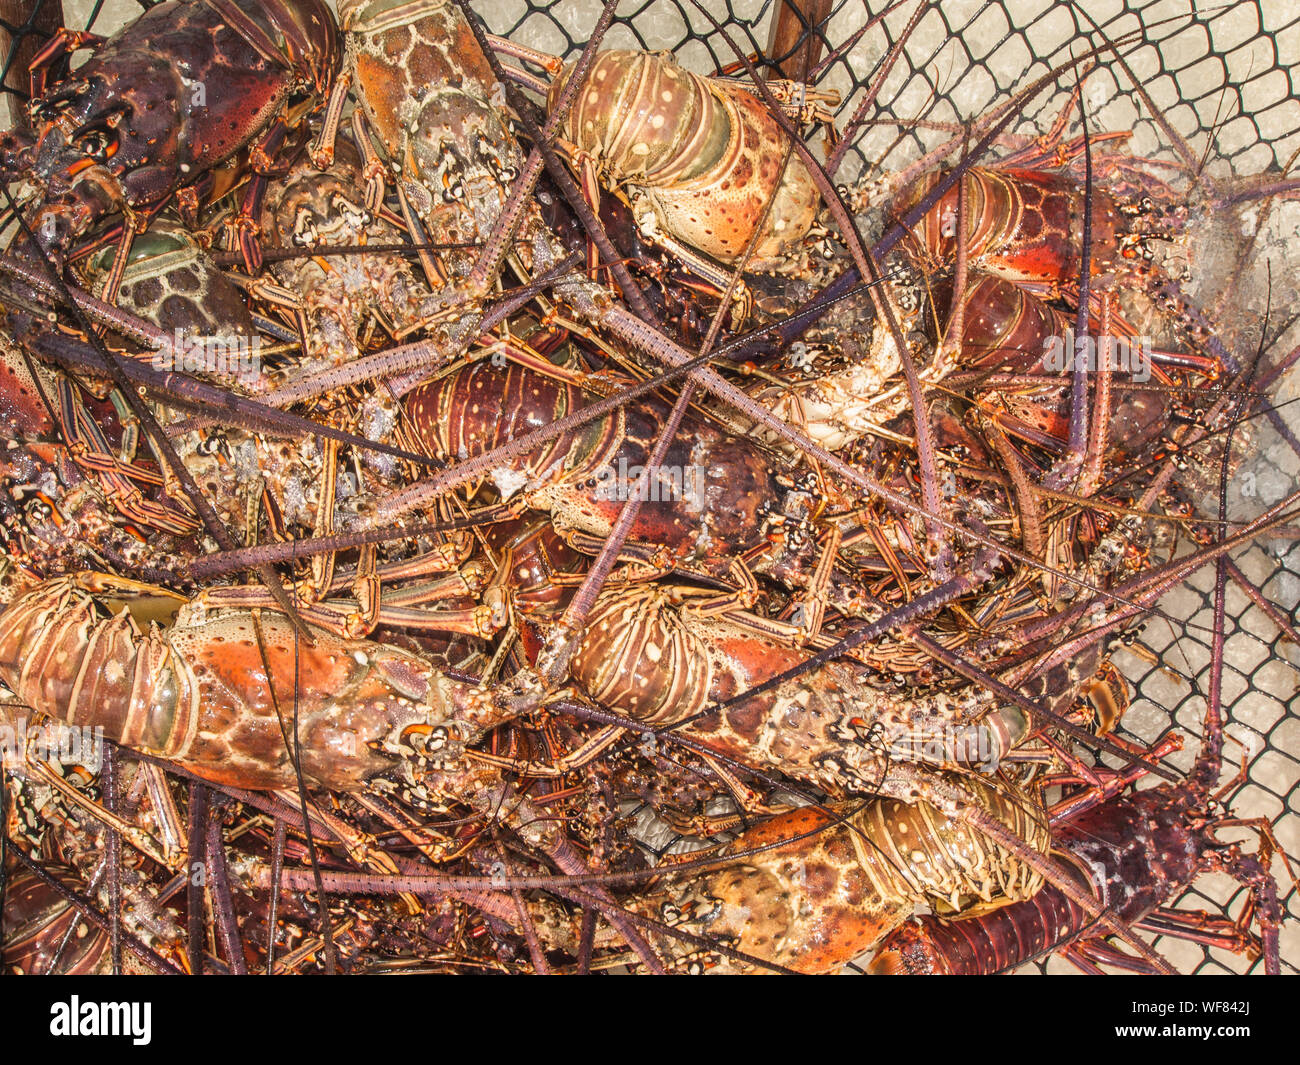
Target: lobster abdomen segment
[(705, 154), (1024, 225)]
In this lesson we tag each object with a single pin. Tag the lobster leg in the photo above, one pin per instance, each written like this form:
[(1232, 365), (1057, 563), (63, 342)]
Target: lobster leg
[(799, 101), (372, 170), (356, 618), (1088, 798), (590, 185), (60, 46), (1076, 957), (433, 272), (322, 149), (365, 588), (113, 281), (171, 829), (218, 882), (810, 610), (322, 565), (1094, 951), (245, 227), (596, 745), (1198, 926), (91, 451), (551, 64), (132, 834)]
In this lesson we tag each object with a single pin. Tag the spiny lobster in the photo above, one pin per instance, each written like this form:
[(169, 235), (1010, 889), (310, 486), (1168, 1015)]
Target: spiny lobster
[(701, 157), (209, 693), (133, 126), (816, 887), (666, 663), (1133, 852)]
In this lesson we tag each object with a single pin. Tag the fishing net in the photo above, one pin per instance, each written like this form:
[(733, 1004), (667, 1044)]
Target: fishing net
[(1225, 79)]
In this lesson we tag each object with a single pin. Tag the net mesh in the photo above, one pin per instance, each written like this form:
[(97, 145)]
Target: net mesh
[(1226, 78)]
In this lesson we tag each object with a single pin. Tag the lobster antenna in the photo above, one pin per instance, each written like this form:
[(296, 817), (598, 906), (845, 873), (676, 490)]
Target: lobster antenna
[(878, 78), (175, 386), (219, 563), (1079, 439), (316, 251)]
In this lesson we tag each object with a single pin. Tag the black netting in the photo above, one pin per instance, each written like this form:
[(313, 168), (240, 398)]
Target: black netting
[(1227, 79)]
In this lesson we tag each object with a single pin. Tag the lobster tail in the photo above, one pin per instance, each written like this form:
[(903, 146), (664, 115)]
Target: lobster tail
[(68, 657), (1023, 225), (995, 942)]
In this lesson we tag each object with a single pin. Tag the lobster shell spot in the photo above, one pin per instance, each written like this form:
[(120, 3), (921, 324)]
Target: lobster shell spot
[(407, 677), (856, 886), (820, 881), (20, 401), (185, 280), (1031, 225), (146, 293)]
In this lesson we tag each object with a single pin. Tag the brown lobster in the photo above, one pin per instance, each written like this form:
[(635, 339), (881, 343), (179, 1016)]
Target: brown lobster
[(1024, 225), (665, 663), (427, 95), (160, 106), (701, 157), (813, 888)]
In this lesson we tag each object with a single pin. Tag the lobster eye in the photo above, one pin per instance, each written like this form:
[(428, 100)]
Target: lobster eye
[(99, 144), (353, 214)]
